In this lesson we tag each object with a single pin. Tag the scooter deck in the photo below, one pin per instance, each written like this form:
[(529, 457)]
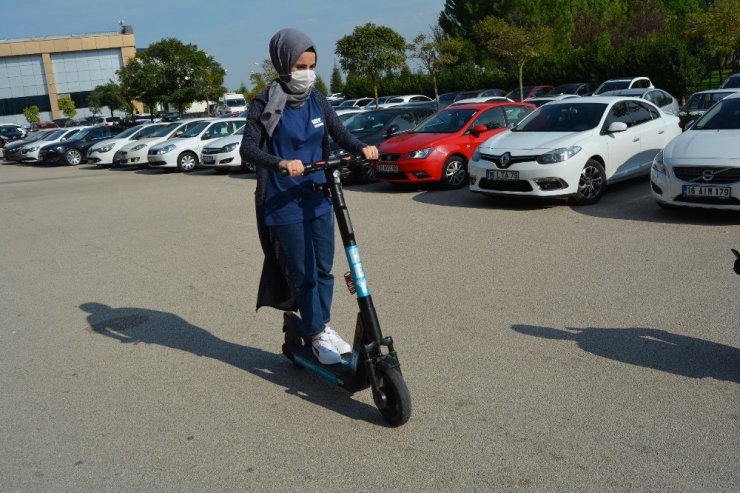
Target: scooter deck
[(345, 374)]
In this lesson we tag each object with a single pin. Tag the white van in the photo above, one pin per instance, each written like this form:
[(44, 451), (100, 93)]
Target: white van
[(231, 102)]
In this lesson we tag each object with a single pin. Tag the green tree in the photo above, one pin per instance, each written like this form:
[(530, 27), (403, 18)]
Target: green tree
[(31, 113), (321, 85), (140, 81), (172, 72), (435, 52), (370, 51), (67, 106), (717, 32), (336, 84), (109, 95), (517, 45)]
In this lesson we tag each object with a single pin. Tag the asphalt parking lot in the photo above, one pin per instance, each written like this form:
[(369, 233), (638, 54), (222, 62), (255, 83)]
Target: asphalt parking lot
[(546, 347)]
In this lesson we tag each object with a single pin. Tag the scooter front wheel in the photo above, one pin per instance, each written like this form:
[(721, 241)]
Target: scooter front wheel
[(397, 408)]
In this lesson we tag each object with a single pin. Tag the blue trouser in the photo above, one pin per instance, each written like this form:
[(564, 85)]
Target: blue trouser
[(306, 253)]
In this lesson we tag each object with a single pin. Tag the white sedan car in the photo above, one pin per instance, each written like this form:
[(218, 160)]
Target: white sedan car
[(182, 152), (135, 153), (701, 167), (573, 148), (104, 152), (223, 154)]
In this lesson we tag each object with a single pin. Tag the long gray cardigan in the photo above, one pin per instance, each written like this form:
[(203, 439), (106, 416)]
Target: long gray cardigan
[(256, 148)]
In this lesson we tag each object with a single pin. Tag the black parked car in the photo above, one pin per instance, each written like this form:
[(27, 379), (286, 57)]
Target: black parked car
[(73, 151), (9, 133), (373, 127)]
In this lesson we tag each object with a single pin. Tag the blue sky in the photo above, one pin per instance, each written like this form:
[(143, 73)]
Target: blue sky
[(235, 32)]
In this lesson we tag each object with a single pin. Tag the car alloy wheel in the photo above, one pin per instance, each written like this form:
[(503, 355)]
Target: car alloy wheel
[(454, 172), (591, 183), (187, 161), (73, 157)]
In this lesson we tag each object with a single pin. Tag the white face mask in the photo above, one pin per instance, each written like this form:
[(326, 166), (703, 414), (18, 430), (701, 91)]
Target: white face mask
[(301, 81)]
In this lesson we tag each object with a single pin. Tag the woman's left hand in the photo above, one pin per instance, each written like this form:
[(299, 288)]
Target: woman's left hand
[(370, 153)]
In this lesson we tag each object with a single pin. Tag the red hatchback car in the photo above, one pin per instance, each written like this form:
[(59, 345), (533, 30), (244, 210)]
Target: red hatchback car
[(439, 148)]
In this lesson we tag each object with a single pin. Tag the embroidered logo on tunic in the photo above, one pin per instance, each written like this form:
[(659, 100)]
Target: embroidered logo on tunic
[(317, 123)]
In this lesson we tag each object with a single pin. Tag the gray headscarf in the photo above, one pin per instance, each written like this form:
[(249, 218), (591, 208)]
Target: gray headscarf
[(286, 46)]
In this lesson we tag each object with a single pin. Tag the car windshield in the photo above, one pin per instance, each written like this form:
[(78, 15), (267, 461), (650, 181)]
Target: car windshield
[(724, 115), (231, 103), (564, 89), (164, 130), (446, 121), (82, 133), (348, 103), (731, 82), (515, 94), (450, 96), (54, 135), (613, 86), (148, 131), (38, 136), (196, 129), (130, 131), (563, 118), (367, 122)]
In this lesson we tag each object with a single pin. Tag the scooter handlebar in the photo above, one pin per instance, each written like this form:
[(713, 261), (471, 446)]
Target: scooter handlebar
[(331, 163)]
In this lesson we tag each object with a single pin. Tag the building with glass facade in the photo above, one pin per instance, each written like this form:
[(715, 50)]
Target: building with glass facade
[(39, 71)]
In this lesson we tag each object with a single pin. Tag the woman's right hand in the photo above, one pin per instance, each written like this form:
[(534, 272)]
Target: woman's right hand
[(294, 166)]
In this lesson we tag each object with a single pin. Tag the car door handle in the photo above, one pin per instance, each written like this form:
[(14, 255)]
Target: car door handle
[(635, 139), (661, 131)]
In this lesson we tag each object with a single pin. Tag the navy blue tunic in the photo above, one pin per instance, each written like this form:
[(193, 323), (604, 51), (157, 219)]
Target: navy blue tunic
[(299, 135)]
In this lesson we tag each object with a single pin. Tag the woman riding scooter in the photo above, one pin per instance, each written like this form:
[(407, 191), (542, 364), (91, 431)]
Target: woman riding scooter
[(289, 124)]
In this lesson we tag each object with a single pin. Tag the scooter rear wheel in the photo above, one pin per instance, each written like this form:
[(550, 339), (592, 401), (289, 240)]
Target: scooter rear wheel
[(397, 409)]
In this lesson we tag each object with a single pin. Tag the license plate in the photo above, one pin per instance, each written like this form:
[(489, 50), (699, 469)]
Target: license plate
[(388, 168), (208, 159), (706, 191), (497, 174)]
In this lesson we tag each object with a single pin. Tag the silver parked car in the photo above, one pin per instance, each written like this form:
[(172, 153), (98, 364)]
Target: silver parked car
[(659, 97)]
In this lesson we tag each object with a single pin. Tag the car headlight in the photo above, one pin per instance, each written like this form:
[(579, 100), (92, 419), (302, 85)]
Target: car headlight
[(558, 155), (659, 163), (230, 147), (33, 149), (104, 148), (166, 149), (138, 147), (420, 154)]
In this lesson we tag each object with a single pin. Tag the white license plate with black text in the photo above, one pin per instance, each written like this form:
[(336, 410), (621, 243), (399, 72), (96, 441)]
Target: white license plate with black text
[(208, 159), (706, 191), (503, 175)]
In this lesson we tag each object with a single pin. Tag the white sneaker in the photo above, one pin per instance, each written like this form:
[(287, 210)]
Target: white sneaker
[(339, 343), (325, 351)]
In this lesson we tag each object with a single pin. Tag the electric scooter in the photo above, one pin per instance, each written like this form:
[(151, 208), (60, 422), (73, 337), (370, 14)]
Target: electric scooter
[(373, 361)]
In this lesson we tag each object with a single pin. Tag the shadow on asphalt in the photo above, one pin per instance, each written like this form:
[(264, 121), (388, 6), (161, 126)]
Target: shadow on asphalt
[(651, 348), (139, 325), (631, 200)]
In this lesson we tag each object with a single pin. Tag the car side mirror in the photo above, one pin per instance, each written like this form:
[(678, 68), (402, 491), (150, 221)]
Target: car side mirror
[(617, 127), (689, 124), (391, 130), (178, 133), (478, 130)]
